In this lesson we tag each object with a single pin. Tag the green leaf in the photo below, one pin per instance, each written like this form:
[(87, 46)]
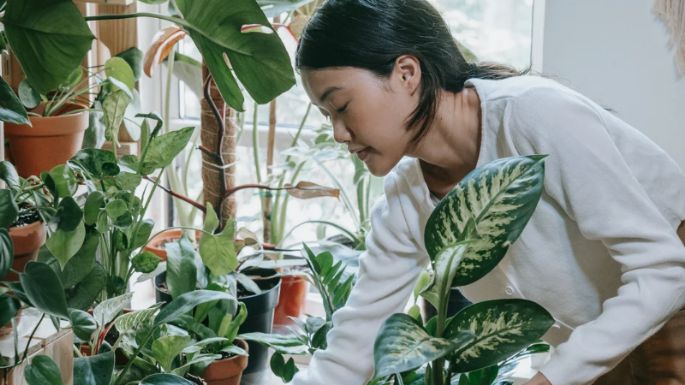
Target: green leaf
[(44, 289), (108, 309), (145, 262), (118, 68), (95, 201), (186, 302), (163, 149), (94, 370), (403, 345), (9, 174), (142, 234), (86, 291), (8, 209), (166, 348), (42, 370), (134, 58), (61, 180), (114, 108), (218, 250), (8, 308), (69, 214), (137, 321), (500, 329), (286, 344), (260, 60), (29, 97), (181, 275), (285, 370), (489, 207), (65, 244), (11, 108), (445, 268), (95, 162), (164, 378), (40, 29), (83, 262), (116, 208), (82, 323), (6, 252)]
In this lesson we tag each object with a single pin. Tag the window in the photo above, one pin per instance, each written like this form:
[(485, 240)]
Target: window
[(494, 30)]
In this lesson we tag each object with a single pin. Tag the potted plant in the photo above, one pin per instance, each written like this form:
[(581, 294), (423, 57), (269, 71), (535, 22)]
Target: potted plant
[(22, 212)]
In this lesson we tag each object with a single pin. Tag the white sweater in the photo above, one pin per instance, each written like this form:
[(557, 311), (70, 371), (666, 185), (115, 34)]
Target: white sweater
[(600, 253)]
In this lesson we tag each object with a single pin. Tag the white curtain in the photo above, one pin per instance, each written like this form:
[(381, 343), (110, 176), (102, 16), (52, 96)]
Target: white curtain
[(672, 13)]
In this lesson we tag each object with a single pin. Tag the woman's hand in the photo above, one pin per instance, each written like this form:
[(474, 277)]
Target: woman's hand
[(539, 379)]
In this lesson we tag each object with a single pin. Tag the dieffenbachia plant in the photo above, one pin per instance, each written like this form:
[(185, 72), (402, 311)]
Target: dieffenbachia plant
[(467, 234)]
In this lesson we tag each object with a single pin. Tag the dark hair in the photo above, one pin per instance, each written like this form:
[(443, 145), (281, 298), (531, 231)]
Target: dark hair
[(371, 34)]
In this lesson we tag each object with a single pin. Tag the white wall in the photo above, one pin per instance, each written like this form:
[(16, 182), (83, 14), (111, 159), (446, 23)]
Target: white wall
[(616, 52)]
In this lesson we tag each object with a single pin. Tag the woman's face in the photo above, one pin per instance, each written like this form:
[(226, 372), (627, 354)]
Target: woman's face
[(367, 113)]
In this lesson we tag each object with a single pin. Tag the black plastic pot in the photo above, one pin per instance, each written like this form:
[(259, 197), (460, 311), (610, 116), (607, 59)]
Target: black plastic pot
[(260, 317), (457, 303)]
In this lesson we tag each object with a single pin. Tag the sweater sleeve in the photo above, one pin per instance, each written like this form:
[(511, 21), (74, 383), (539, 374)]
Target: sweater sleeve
[(388, 271), (586, 174)]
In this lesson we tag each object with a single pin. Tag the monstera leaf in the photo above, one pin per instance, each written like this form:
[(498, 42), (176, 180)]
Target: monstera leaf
[(50, 39), (489, 208), (500, 329), (404, 345), (259, 60)]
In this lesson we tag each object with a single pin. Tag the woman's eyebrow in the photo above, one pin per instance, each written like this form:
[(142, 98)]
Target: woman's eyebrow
[(328, 93)]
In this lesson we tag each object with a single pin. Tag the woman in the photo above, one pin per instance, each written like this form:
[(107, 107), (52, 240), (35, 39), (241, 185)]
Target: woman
[(601, 252)]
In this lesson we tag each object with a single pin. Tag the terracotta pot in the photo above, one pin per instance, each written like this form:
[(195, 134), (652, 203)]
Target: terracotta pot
[(228, 371), (158, 242), (26, 241), (292, 299), (49, 141)]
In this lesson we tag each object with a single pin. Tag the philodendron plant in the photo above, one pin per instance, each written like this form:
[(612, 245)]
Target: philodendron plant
[(466, 236)]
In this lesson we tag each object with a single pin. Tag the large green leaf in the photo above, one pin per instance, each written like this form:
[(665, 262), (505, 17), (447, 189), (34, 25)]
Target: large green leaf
[(86, 291), (489, 207), (137, 321), (83, 262), (218, 250), (96, 163), (287, 344), (11, 109), (8, 208), (163, 149), (260, 60), (65, 244), (69, 214), (95, 201), (114, 108), (44, 289), (500, 328), (403, 345), (42, 370), (134, 58), (166, 348), (9, 174), (108, 309), (119, 69), (6, 252), (444, 270), (94, 370), (50, 39), (82, 323), (181, 274), (165, 379), (187, 302), (8, 308), (61, 181)]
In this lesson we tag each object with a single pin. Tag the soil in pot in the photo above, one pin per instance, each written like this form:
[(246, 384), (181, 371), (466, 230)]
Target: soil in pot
[(49, 141), (227, 371)]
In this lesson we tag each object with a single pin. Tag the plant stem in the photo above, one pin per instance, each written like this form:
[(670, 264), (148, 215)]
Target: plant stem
[(135, 354), (26, 349)]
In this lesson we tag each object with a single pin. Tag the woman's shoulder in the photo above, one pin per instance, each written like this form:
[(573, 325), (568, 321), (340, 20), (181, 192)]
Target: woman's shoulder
[(521, 89)]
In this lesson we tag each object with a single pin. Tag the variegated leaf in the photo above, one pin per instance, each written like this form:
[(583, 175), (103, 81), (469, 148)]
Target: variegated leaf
[(500, 328), (489, 207), (444, 270), (403, 345)]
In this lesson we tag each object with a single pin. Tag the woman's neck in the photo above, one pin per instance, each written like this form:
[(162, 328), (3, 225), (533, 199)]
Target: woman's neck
[(450, 148)]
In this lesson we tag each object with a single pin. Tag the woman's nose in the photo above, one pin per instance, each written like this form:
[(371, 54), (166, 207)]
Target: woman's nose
[(340, 133)]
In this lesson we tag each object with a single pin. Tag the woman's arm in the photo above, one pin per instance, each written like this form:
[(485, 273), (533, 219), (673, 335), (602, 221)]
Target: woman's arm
[(388, 271), (588, 176)]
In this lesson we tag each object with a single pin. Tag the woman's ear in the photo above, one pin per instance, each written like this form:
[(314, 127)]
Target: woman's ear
[(407, 71)]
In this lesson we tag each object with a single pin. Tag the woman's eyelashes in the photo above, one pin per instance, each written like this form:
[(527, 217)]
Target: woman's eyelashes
[(343, 108)]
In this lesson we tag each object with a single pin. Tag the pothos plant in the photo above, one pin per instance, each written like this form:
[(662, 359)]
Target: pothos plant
[(466, 236)]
